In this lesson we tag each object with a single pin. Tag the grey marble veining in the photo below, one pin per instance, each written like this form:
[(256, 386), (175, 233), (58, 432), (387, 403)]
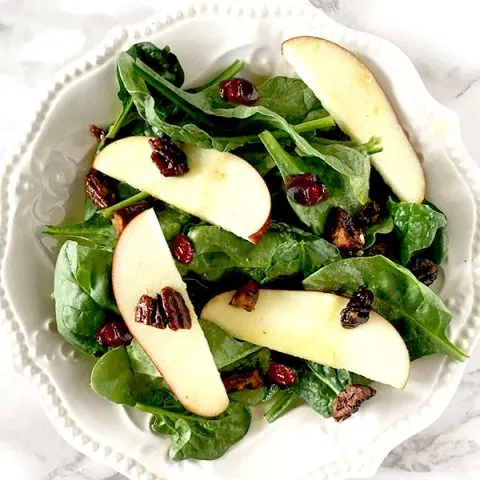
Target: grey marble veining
[(38, 37)]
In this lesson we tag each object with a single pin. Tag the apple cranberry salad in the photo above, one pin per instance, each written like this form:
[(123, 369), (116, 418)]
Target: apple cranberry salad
[(245, 244)]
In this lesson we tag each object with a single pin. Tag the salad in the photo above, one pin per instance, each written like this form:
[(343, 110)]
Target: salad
[(246, 245)]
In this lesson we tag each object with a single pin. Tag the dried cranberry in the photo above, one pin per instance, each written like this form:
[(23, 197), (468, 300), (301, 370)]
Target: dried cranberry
[(113, 334), (182, 249), (305, 189), (100, 188), (424, 269), (176, 312), (168, 157), (246, 380), (282, 375), (246, 297), (238, 91), (368, 215), (97, 132)]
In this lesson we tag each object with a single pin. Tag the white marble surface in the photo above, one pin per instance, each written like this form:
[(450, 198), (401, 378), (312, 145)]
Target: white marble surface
[(37, 37)]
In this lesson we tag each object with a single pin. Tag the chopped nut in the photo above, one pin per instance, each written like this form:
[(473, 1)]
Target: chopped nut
[(379, 248), (246, 297), (121, 218), (144, 310), (100, 188), (159, 318), (246, 380), (368, 215), (344, 234), (97, 132), (424, 269), (169, 159), (176, 312), (358, 308), (349, 401)]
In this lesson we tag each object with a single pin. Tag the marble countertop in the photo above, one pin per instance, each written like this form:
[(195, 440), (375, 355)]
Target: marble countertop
[(39, 37)]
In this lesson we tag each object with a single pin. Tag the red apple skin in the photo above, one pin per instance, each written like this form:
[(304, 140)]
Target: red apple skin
[(256, 237)]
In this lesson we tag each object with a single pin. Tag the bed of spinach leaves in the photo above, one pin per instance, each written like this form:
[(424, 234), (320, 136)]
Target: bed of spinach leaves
[(286, 132)]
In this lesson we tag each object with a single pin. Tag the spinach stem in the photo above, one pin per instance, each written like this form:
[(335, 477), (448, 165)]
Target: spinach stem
[(374, 145), (227, 74), (160, 411), (324, 123), (109, 211), (113, 130)]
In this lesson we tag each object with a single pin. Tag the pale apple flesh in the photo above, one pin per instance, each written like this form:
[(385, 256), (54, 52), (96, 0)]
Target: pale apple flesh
[(350, 93), (143, 264), (307, 325), (220, 187)]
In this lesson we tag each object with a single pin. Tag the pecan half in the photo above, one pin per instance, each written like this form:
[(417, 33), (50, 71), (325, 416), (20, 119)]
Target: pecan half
[(246, 380), (177, 314), (358, 308), (424, 269), (344, 234), (144, 310), (100, 188), (349, 401), (121, 218), (159, 318), (168, 157), (246, 297)]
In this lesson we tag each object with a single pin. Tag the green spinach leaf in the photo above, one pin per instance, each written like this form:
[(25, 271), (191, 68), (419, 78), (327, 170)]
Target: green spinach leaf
[(82, 294), (416, 226), (383, 227), (281, 402), (343, 190), (415, 311)]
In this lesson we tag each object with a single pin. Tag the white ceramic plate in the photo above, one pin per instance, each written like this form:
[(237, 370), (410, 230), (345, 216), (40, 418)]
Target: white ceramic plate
[(42, 183)]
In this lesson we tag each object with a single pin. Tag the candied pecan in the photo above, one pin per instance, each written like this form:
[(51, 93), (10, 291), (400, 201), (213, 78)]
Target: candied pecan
[(246, 380), (100, 188), (238, 91), (282, 375), (349, 401), (176, 312), (113, 334), (306, 189), (121, 218), (182, 249), (246, 297), (424, 269), (368, 215), (344, 234), (144, 310), (159, 317), (358, 308), (168, 157), (97, 132)]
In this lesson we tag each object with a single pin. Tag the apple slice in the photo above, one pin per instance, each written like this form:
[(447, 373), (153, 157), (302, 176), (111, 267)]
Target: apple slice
[(307, 325), (220, 187), (350, 93), (143, 264)]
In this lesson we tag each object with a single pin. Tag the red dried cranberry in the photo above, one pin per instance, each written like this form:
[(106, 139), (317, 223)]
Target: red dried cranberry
[(182, 249), (168, 157), (305, 189), (113, 334), (238, 91), (282, 375)]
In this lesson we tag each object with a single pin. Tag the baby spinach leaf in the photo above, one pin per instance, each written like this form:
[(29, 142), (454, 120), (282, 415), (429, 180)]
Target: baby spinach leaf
[(280, 403), (259, 359), (226, 350), (82, 294), (289, 97), (230, 72), (282, 252), (343, 191), (415, 311), (383, 227), (198, 437), (319, 385), (98, 232), (416, 226), (173, 220), (249, 397)]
